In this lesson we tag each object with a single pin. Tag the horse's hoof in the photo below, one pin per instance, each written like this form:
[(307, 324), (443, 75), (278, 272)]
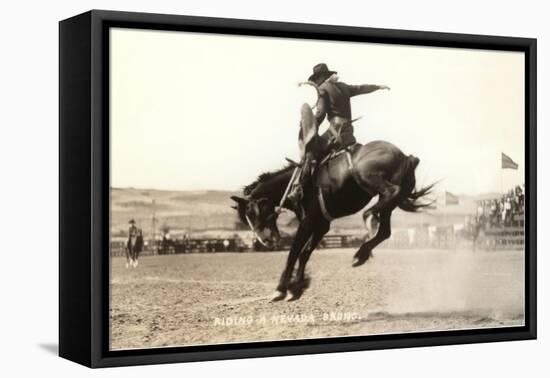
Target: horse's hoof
[(295, 296), (297, 289), (361, 257), (279, 296), (358, 262)]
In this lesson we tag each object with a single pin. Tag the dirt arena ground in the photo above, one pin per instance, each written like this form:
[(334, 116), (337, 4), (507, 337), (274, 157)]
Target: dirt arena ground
[(194, 299)]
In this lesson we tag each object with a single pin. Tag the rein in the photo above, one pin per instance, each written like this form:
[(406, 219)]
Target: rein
[(254, 231), (287, 190)]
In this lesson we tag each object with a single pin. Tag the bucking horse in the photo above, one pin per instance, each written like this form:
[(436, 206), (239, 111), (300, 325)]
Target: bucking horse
[(344, 184)]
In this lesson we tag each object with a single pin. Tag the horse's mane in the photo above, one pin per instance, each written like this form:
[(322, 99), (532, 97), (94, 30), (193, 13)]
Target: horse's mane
[(266, 176)]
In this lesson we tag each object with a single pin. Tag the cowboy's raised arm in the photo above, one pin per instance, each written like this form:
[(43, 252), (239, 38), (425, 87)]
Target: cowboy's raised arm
[(365, 88), (321, 108)]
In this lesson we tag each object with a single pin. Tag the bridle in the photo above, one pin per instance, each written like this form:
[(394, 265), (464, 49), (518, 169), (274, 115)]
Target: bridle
[(254, 231)]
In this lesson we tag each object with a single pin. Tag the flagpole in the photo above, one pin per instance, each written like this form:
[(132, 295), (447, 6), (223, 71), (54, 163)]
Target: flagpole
[(501, 174)]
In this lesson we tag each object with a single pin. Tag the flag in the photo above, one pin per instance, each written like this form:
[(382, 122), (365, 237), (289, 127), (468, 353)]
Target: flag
[(507, 162)]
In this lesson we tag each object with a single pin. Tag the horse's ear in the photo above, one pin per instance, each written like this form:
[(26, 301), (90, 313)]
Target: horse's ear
[(239, 200), (235, 207)]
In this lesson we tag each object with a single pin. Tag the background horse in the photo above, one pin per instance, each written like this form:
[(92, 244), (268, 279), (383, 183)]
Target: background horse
[(344, 185), (133, 247)]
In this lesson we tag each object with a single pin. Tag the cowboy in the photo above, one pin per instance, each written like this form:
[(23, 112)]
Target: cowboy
[(334, 103), (133, 232)]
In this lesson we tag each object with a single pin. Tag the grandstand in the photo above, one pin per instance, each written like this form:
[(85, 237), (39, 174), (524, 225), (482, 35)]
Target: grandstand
[(501, 220)]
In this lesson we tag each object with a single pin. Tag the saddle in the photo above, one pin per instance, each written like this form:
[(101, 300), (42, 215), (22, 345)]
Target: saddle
[(335, 153), (348, 150), (322, 187)]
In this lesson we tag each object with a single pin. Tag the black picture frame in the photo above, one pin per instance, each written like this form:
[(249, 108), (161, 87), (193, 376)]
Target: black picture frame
[(84, 188)]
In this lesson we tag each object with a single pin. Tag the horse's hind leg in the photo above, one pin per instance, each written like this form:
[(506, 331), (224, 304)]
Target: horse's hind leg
[(383, 233), (372, 224), (388, 194)]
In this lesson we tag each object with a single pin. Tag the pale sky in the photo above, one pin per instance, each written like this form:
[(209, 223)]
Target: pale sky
[(196, 111)]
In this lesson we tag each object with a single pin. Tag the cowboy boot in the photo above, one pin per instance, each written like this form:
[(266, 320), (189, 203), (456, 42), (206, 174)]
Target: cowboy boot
[(297, 193)]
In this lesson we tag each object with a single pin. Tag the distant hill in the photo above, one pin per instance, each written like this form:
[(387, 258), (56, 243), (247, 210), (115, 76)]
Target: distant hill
[(188, 210), (194, 211)]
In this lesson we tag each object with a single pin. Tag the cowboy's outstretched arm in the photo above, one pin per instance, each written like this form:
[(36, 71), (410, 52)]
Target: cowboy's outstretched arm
[(365, 88)]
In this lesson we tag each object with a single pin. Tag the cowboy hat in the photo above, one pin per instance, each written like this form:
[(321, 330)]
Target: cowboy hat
[(321, 73)]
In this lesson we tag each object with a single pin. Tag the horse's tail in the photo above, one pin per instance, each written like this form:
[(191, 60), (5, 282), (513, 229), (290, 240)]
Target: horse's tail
[(411, 201)]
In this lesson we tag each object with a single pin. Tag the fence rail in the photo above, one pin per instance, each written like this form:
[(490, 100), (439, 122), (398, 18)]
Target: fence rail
[(507, 238), (205, 245)]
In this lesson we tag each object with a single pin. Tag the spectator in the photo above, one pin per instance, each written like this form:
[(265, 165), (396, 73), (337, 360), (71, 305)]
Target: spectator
[(508, 211), (494, 213), (520, 195), (501, 212)]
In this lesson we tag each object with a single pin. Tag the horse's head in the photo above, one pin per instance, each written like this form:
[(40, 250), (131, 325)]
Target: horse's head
[(260, 215)]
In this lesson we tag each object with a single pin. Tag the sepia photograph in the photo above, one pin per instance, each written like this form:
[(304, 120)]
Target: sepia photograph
[(268, 189)]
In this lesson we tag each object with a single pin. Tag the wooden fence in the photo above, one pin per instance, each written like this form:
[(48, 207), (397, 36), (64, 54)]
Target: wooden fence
[(502, 238), (205, 245)]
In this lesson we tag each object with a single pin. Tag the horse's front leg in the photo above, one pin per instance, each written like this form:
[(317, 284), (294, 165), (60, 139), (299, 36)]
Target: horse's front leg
[(302, 236), (135, 257), (301, 283), (383, 233), (136, 254), (127, 252)]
